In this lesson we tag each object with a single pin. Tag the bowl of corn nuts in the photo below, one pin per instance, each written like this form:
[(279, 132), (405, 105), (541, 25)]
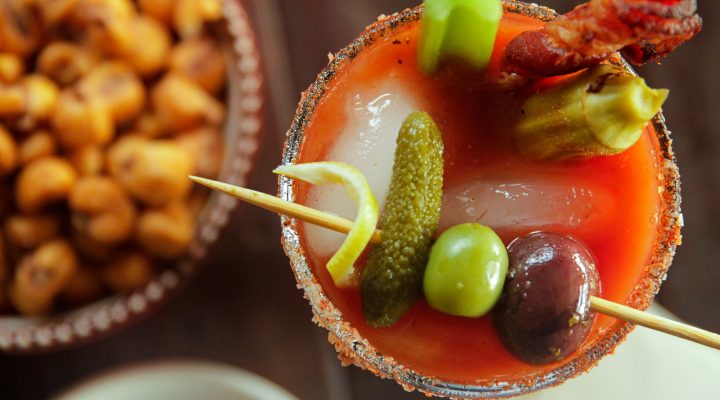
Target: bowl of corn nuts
[(106, 106)]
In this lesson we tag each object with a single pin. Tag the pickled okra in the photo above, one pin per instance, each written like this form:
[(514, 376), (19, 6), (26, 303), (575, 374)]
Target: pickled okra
[(392, 278), (603, 111)]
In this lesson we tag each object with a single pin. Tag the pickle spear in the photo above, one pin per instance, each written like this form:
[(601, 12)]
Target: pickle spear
[(392, 279)]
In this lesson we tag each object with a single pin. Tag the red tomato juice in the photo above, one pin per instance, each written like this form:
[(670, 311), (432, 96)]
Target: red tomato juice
[(476, 123)]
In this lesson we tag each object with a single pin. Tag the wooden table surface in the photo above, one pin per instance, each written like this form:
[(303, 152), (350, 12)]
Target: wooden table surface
[(244, 309)]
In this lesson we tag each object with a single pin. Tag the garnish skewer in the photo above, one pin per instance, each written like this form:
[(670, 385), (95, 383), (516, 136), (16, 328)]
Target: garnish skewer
[(338, 224)]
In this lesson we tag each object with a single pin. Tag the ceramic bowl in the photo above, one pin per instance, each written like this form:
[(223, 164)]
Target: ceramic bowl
[(242, 134)]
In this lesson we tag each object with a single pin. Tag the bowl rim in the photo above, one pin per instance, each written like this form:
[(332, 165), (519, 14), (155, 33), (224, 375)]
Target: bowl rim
[(354, 349), (219, 375), (242, 135)]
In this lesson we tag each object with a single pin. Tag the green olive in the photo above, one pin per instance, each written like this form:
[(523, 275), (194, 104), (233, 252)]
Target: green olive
[(466, 271)]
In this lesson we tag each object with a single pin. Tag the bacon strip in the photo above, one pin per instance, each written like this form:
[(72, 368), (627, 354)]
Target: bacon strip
[(645, 30)]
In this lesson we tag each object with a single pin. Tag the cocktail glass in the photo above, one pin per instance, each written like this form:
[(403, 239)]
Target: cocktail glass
[(353, 348)]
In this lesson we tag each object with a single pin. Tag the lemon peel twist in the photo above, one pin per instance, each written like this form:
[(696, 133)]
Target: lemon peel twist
[(341, 265)]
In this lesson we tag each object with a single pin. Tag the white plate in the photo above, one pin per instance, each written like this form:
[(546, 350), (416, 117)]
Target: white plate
[(177, 380), (649, 365)]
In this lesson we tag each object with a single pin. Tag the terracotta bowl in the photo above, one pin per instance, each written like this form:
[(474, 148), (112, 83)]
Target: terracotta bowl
[(353, 348), (242, 134)]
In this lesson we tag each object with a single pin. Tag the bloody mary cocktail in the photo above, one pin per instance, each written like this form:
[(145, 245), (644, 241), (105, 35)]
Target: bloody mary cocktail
[(624, 208)]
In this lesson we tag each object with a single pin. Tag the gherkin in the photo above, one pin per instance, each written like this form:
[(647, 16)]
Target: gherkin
[(392, 278)]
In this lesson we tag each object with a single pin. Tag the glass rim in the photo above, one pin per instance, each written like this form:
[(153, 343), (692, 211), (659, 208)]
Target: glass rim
[(352, 348)]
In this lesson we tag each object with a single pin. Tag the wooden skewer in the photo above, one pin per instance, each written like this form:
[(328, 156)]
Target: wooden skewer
[(637, 317), (274, 204), (338, 224)]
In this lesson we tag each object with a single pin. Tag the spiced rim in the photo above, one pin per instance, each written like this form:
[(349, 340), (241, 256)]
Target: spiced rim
[(354, 349)]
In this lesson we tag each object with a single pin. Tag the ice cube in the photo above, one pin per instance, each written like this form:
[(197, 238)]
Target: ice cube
[(374, 117), (508, 204)]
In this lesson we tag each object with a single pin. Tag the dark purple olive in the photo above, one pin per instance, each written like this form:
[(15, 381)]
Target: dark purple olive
[(544, 313)]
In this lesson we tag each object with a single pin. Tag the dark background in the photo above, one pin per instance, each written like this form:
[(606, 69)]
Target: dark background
[(244, 308)]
